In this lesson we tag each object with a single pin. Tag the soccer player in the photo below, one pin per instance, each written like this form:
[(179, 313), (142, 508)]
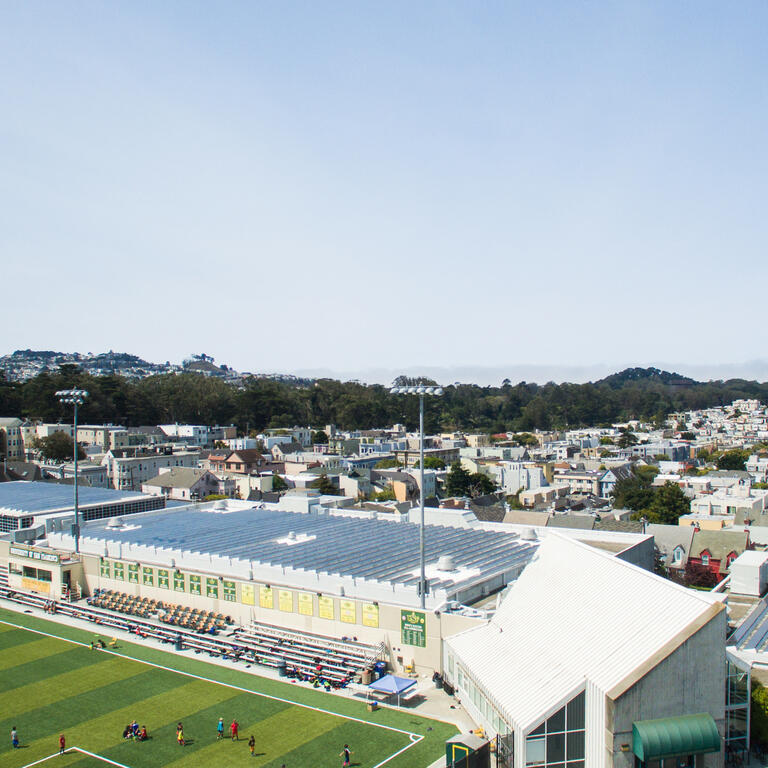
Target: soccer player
[(180, 735), (220, 728), (14, 737), (62, 744), (345, 755), (233, 728), (252, 746)]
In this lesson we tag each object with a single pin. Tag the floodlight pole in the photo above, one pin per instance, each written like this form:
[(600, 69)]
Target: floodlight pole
[(423, 580), (420, 390), (74, 397)]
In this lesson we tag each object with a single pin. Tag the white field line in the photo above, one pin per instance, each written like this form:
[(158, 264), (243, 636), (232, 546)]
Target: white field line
[(415, 736), (83, 751)]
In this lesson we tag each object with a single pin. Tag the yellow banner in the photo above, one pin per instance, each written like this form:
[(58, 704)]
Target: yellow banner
[(305, 604), (348, 612), (370, 615), (266, 598), (325, 608), (285, 600), (248, 594), (35, 585)]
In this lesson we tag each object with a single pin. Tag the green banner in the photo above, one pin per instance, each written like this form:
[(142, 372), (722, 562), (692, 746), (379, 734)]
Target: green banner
[(105, 568), (212, 587), (133, 573), (119, 571), (194, 585), (162, 578), (178, 582), (413, 628), (229, 588), (148, 576)]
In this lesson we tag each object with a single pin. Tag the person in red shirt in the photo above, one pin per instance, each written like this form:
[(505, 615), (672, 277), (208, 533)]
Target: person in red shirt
[(62, 744), (235, 725)]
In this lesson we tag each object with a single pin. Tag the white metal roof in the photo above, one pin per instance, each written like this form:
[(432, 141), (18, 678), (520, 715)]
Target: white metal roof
[(574, 614), (751, 557)]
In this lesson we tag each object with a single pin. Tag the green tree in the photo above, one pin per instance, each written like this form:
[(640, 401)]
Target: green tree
[(431, 462), (326, 486), (606, 440), (668, 504), (388, 464), (735, 459), (633, 493), (759, 713), (480, 484), (388, 494), (58, 447), (278, 484), (626, 439), (457, 481), (319, 437), (646, 472)]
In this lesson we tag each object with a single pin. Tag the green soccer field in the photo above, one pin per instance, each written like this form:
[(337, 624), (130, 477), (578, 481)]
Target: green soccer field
[(52, 683)]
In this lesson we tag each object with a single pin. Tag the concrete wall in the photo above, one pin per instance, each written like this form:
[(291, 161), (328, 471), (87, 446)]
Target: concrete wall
[(689, 681)]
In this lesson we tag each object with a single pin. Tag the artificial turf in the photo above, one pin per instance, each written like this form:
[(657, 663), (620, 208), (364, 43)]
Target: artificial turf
[(49, 686)]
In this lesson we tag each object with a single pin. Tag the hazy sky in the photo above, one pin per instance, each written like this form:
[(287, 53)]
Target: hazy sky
[(295, 186)]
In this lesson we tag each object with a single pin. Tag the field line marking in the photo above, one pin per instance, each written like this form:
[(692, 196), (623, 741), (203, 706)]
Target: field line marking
[(41, 760), (218, 682), (100, 757), (83, 751), (415, 739)]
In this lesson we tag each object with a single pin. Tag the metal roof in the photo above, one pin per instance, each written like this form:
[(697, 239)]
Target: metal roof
[(334, 544), (24, 497), (575, 615)]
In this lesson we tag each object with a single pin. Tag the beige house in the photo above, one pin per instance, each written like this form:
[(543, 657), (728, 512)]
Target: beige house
[(11, 440)]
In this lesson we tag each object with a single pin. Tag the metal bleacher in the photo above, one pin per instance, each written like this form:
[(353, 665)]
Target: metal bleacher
[(332, 662), (338, 659)]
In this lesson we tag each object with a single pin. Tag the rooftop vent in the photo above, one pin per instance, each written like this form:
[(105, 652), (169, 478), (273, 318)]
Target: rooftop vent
[(445, 563), (529, 534), (115, 522)]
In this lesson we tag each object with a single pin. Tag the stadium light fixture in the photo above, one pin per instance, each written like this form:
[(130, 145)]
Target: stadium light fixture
[(74, 397), (420, 390)]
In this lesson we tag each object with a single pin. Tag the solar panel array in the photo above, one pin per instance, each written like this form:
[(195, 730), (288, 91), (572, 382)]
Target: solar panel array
[(339, 545), (31, 497)]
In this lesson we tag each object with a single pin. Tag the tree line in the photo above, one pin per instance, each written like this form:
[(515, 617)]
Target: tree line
[(645, 394)]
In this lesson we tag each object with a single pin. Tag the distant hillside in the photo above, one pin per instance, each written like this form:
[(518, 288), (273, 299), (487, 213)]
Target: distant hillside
[(256, 402), (646, 375)]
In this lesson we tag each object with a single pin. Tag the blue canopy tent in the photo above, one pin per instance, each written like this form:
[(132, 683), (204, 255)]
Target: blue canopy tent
[(392, 685)]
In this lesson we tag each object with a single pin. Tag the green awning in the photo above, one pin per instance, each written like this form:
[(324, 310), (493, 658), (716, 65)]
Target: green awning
[(675, 736)]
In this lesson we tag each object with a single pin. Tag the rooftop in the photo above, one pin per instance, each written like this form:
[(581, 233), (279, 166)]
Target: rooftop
[(331, 543), (24, 497)]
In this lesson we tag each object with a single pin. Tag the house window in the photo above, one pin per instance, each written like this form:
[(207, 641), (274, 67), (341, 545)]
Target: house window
[(677, 555), (705, 558)]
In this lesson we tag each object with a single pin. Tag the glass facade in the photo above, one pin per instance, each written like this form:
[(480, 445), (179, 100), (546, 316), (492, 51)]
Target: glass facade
[(558, 742), (737, 695)]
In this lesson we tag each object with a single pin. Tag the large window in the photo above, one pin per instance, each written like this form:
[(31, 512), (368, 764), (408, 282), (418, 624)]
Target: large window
[(558, 742), (36, 573)]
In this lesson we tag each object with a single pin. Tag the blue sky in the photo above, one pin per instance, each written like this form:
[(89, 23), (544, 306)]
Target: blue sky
[(300, 186)]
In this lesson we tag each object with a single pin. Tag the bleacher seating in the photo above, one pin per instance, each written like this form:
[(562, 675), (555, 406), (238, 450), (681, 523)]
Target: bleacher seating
[(307, 655), (193, 619), (322, 661)]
